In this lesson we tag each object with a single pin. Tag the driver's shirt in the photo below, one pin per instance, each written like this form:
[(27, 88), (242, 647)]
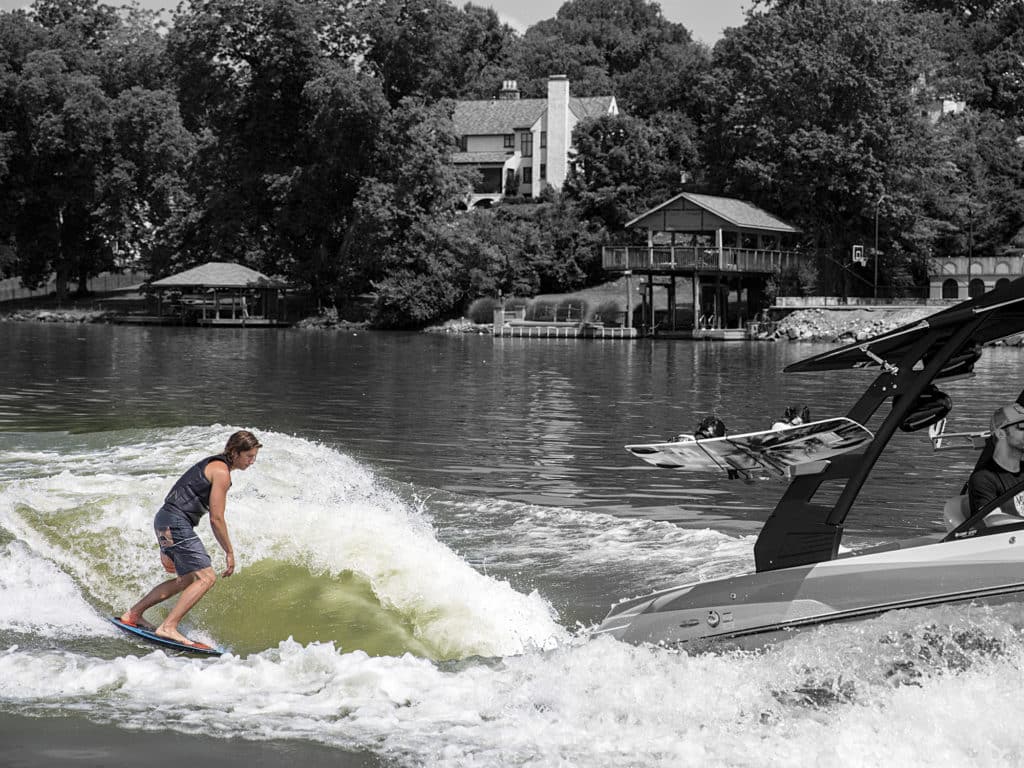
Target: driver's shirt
[(991, 481)]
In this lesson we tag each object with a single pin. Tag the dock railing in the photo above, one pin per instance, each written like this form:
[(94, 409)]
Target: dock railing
[(623, 257)]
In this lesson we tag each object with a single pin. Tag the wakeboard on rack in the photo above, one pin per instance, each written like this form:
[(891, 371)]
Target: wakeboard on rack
[(769, 453), (140, 632)]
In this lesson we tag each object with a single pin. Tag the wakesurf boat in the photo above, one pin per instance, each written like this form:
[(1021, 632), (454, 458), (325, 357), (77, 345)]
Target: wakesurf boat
[(801, 578)]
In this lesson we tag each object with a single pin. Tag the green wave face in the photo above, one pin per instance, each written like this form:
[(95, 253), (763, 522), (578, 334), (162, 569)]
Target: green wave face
[(271, 601)]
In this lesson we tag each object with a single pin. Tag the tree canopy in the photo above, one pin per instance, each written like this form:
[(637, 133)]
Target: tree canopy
[(313, 140)]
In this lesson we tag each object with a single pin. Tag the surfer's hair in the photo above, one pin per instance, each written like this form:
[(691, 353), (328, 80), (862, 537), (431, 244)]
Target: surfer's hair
[(241, 441)]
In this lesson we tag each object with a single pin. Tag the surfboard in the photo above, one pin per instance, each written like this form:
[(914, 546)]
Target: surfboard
[(771, 453), (197, 648)]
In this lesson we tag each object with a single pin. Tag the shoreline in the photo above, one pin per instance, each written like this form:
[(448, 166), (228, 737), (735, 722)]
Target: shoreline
[(824, 325), (70, 739)]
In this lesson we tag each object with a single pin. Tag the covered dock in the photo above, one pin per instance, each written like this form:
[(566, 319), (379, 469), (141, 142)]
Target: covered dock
[(221, 294), (721, 249)]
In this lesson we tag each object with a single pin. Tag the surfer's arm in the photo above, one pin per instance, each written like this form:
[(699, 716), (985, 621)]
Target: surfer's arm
[(221, 481)]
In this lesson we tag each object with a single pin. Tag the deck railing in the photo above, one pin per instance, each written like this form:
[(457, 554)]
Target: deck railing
[(689, 257)]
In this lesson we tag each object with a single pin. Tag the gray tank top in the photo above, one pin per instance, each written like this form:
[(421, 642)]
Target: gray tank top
[(190, 496)]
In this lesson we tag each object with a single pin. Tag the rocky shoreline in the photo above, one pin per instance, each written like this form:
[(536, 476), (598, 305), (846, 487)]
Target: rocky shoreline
[(58, 316)]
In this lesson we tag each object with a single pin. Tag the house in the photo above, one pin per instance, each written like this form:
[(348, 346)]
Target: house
[(519, 146)]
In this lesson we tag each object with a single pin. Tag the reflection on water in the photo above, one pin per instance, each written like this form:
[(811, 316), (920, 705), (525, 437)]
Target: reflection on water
[(532, 420)]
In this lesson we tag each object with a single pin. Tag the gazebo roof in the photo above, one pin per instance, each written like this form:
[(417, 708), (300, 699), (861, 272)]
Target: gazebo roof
[(216, 274)]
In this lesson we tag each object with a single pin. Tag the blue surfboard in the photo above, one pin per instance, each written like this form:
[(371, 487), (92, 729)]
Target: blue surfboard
[(145, 634)]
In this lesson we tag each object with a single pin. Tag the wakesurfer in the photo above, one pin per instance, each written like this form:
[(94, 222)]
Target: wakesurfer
[(203, 488)]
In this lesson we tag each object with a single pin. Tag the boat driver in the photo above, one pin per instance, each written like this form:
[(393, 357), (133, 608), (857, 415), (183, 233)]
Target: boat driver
[(1003, 469)]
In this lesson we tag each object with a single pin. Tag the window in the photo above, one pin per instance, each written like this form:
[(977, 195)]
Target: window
[(527, 175), (543, 139), (510, 141), (463, 141), (543, 171), (527, 144)]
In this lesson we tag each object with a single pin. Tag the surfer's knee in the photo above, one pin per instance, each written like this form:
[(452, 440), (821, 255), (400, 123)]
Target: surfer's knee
[(204, 577)]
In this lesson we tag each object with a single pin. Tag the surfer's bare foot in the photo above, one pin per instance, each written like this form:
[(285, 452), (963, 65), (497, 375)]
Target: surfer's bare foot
[(171, 634), (137, 621)]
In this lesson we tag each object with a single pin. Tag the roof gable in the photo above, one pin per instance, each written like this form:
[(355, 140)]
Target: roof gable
[(738, 213), (592, 106)]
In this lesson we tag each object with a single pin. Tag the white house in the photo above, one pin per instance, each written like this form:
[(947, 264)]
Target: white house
[(520, 145)]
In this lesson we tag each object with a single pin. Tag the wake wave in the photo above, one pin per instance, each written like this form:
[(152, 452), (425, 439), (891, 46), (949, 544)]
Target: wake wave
[(306, 522)]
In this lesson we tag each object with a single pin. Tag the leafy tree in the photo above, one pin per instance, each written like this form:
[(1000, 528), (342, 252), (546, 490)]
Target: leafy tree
[(810, 112), (430, 49), (317, 216), (242, 69), (624, 165), (58, 128), (403, 213), (625, 47), (89, 166)]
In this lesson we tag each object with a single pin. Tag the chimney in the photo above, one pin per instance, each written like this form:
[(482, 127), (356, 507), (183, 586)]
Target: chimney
[(509, 90), (559, 136)]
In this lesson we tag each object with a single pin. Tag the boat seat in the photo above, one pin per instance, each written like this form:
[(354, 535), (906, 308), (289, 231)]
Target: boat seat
[(956, 510)]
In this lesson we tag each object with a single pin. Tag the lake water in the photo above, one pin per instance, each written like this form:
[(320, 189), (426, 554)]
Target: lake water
[(433, 524)]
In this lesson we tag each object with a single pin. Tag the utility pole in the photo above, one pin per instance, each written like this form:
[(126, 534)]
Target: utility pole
[(877, 204), (970, 246)]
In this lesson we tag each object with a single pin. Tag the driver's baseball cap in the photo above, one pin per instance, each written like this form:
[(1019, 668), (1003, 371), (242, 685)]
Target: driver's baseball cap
[(1008, 415)]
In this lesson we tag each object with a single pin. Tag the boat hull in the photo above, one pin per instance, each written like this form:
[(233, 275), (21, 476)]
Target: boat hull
[(759, 608)]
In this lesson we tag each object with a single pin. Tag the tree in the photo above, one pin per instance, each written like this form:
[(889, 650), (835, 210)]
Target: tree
[(624, 47), (316, 204), (623, 165), (88, 165), (242, 69), (430, 49), (58, 130), (404, 214), (810, 112)]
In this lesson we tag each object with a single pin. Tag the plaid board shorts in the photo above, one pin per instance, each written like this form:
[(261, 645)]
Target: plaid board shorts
[(178, 540)]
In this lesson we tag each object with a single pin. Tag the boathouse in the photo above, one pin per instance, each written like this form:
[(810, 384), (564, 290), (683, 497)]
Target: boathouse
[(713, 256), (221, 294)]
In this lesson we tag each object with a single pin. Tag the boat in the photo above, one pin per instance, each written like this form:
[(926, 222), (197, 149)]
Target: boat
[(802, 577)]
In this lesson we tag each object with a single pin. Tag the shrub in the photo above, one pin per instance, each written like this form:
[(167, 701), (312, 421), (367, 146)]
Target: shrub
[(481, 311), (608, 312)]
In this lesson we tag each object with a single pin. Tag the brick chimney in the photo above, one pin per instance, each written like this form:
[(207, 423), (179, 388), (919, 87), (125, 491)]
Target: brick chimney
[(509, 90)]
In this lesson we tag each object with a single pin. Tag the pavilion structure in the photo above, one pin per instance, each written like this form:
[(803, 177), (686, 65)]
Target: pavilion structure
[(221, 294)]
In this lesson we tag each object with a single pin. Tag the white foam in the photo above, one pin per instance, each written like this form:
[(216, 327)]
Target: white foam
[(598, 703), (36, 596)]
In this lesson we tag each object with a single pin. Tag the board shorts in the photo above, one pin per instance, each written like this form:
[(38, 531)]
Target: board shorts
[(178, 540)]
